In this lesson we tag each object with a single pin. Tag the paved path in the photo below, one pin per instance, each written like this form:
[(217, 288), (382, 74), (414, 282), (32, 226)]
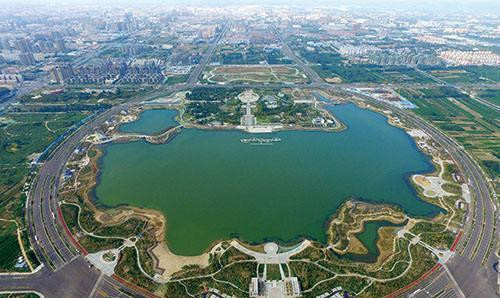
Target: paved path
[(271, 255), (63, 266), (44, 219)]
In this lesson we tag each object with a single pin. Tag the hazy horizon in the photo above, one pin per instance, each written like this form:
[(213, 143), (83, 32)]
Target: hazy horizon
[(440, 5)]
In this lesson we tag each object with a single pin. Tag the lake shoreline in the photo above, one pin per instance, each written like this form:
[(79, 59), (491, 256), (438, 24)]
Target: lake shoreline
[(94, 200)]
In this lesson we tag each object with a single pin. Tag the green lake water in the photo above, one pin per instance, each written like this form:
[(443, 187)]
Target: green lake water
[(150, 122), (369, 238), (211, 186)]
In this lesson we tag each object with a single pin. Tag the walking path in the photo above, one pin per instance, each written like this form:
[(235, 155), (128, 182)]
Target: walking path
[(271, 255), (98, 258)]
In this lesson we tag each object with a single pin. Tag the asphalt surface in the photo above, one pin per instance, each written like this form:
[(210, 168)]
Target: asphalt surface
[(195, 74), (75, 279), (25, 88), (65, 273), (63, 265), (437, 284), (474, 278)]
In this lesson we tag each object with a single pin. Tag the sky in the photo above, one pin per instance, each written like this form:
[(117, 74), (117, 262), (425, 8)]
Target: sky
[(488, 5)]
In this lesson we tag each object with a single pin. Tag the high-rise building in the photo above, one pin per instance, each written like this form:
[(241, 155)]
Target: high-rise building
[(22, 45), (61, 46), (55, 35), (128, 19), (10, 79), (27, 59), (61, 73), (46, 47)]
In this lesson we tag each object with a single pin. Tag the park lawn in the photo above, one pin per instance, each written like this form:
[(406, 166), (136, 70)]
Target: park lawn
[(25, 134), (177, 79), (273, 272)]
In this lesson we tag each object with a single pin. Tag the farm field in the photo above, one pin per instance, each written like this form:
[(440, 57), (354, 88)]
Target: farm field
[(454, 75), (467, 74), (365, 73), (471, 123), (491, 95), (254, 74), (400, 75), (22, 137), (9, 246)]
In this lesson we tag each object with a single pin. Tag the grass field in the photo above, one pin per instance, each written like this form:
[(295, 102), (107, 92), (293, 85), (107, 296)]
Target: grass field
[(253, 54), (177, 79), (273, 272), (454, 76), (19, 295), (253, 74), (358, 73), (401, 75)]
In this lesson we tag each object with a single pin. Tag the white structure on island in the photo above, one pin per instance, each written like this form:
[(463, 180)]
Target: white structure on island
[(248, 97), (248, 122)]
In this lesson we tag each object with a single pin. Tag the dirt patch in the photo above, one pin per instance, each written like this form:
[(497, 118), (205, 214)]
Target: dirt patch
[(356, 247), (333, 80), (421, 180), (385, 243)]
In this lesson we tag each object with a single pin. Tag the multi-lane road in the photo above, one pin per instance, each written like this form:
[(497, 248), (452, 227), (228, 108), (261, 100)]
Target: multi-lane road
[(472, 267), (195, 74), (65, 273), (471, 271), (63, 264)]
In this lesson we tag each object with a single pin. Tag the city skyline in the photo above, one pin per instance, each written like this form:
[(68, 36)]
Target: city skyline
[(427, 5)]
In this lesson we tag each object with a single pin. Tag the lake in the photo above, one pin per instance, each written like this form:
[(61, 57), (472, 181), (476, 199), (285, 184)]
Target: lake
[(151, 122), (211, 186)]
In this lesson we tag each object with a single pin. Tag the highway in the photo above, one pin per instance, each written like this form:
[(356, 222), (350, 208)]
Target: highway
[(43, 214), (472, 268), (64, 264), (195, 74), (25, 88), (473, 278), (75, 279), (311, 74)]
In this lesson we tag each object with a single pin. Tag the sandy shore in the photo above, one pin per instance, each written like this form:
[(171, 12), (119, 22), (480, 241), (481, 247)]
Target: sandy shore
[(170, 263)]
